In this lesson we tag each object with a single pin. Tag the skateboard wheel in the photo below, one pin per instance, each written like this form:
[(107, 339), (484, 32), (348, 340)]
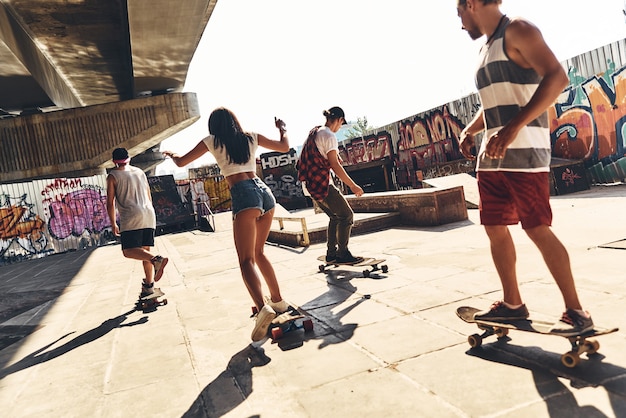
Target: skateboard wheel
[(592, 346), (570, 359), (501, 332), (322, 268), (307, 324), (277, 333), (384, 268), (366, 273), (475, 340), (255, 310), (164, 301)]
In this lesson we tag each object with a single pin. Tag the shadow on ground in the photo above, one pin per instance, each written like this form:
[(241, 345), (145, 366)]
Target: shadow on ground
[(42, 355), (547, 369), (33, 286), (231, 387)]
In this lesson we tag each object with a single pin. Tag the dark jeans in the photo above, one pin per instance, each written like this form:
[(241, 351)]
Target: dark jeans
[(341, 220)]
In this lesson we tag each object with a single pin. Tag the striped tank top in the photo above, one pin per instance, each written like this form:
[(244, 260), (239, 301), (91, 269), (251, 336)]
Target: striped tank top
[(504, 87)]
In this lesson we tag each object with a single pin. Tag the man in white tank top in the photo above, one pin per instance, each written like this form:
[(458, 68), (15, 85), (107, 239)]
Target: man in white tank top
[(128, 191)]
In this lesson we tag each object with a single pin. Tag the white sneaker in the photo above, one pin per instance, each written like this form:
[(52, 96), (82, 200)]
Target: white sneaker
[(263, 320), (159, 264), (279, 307)]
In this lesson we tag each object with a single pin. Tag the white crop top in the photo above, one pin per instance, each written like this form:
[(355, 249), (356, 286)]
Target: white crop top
[(227, 168)]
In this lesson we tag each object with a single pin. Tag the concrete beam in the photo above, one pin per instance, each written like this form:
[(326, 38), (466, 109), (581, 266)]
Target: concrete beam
[(81, 140)]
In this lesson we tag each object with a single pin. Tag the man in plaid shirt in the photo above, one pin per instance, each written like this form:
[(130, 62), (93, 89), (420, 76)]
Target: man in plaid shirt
[(319, 156)]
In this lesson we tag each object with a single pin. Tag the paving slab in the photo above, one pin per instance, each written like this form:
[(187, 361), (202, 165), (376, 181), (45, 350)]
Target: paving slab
[(390, 344)]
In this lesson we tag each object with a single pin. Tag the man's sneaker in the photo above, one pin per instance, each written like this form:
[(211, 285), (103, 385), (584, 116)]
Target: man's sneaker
[(348, 259), (146, 289), (500, 312), (572, 323), (279, 307), (263, 320), (330, 257), (159, 264)]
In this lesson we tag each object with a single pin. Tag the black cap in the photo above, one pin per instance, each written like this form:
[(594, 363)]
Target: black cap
[(336, 112), (120, 155)]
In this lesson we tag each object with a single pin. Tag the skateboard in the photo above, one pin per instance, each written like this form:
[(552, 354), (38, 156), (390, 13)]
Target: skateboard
[(286, 322), (580, 344), (150, 303), (366, 262)]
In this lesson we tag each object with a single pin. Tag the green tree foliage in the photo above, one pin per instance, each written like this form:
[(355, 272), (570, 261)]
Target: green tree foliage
[(358, 129)]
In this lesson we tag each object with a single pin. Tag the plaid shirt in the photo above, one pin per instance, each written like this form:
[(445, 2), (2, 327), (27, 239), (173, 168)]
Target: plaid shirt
[(313, 168)]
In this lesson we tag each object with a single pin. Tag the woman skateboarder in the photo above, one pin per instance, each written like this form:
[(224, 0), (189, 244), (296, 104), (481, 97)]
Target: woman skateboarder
[(252, 204)]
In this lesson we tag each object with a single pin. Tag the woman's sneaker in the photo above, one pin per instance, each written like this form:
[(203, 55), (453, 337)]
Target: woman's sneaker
[(159, 264), (500, 312), (279, 307), (263, 320), (572, 323)]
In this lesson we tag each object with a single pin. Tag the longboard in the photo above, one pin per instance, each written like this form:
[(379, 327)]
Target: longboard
[(366, 262), (579, 343), (150, 302)]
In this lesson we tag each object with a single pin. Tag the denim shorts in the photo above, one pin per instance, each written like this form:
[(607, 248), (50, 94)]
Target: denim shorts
[(251, 194)]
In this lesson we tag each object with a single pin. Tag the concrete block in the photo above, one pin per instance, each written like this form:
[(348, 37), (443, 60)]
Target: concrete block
[(419, 207)]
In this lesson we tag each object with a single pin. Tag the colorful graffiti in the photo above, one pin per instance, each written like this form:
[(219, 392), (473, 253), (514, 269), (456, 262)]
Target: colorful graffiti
[(426, 141), (21, 230), (73, 208), (432, 138), (280, 175), (590, 122), (366, 149)]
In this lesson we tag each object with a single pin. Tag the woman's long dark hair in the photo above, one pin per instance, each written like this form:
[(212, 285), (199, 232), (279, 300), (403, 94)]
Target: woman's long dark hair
[(225, 127)]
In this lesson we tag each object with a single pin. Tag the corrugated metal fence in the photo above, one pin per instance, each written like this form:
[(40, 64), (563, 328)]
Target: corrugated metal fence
[(42, 217)]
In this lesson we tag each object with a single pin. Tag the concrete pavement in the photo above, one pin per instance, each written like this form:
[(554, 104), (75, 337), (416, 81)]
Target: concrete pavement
[(385, 346)]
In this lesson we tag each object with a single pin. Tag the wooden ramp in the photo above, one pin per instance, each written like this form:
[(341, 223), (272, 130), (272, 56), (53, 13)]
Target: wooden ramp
[(469, 184)]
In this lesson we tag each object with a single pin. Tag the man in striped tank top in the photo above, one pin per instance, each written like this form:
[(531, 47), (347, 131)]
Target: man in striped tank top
[(518, 78)]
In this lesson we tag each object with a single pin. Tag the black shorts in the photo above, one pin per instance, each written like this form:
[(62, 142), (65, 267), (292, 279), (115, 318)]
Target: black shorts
[(138, 238)]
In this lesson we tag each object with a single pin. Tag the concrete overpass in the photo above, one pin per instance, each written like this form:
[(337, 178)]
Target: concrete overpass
[(81, 78)]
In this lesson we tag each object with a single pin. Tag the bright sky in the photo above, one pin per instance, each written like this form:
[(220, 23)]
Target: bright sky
[(385, 60)]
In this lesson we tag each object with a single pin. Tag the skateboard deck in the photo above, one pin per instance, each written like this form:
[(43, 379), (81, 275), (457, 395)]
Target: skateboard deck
[(149, 303), (366, 262), (580, 343)]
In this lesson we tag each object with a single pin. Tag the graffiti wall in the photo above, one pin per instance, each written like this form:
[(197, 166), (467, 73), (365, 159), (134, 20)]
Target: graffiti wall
[(588, 124), (49, 216), (171, 209), (589, 119), (279, 173), (366, 149)]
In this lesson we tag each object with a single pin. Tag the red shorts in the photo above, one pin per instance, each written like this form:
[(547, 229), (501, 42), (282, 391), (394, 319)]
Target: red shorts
[(507, 198)]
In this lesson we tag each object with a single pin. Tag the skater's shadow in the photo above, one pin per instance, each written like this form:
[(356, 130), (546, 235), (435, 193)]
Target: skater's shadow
[(231, 387), (340, 291), (42, 356), (560, 400)]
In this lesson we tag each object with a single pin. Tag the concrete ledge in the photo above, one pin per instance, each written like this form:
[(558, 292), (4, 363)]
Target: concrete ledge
[(469, 183), (420, 207)]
